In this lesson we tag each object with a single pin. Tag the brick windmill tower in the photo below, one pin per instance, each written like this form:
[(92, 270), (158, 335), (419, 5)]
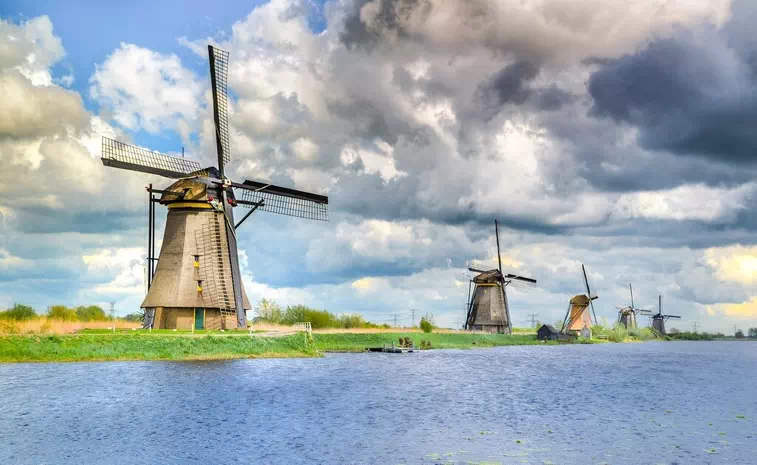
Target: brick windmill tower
[(196, 281)]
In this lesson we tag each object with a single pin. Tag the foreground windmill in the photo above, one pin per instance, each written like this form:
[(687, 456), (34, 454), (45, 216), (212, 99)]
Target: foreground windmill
[(578, 317), (197, 281), (627, 315), (658, 319), (488, 309)]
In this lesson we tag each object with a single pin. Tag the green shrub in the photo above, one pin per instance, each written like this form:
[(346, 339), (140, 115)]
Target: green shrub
[(19, 313), (352, 321), (91, 313), (689, 336), (294, 314), (61, 312), (617, 334), (320, 319), (426, 325), (270, 311), (135, 317), (641, 334)]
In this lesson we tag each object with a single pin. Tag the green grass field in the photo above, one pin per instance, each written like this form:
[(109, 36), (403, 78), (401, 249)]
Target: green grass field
[(102, 347), (346, 342)]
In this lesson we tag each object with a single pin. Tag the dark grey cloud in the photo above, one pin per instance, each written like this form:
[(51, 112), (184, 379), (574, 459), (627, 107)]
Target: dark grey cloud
[(600, 154), (510, 85), (389, 16), (692, 94), (367, 121)]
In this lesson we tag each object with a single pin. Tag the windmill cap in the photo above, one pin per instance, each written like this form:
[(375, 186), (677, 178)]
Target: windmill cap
[(581, 299)]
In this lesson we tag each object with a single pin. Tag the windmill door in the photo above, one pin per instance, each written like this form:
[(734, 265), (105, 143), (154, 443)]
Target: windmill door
[(199, 318)]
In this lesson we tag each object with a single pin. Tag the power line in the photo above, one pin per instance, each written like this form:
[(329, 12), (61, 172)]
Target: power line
[(533, 318), (412, 323), (696, 326)]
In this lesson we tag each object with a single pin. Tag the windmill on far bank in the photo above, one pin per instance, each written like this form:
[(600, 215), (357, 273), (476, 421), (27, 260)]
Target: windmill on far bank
[(488, 308), (578, 316), (197, 281), (658, 319), (627, 315)]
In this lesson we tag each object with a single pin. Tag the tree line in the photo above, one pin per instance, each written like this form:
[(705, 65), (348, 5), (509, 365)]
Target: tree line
[(271, 312), (20, 312)]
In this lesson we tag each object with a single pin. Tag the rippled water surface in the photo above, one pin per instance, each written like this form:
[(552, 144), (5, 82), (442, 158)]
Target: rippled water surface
[(651, 403)]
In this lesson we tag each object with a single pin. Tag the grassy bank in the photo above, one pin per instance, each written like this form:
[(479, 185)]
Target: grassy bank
[(346, 342), (150, 347), (101, 345)]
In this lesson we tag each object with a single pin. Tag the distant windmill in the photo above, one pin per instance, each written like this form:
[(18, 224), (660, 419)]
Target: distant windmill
[(578, 317), (627, 315), (658, 319), (488, 309), (197, 282)]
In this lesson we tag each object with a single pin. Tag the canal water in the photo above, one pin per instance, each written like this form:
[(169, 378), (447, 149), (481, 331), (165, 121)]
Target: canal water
[(647, 403)]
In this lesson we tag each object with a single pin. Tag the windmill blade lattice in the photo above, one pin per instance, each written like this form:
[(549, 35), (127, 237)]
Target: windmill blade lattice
[(219, 71), (481, 265), (282, 200), (129, 157)]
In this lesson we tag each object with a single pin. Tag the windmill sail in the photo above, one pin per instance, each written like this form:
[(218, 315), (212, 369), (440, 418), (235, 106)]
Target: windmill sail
[(130, 157), (282, 200), (219, 71), (588, 293)]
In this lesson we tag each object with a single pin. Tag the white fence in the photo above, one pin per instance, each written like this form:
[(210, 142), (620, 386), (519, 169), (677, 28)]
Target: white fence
[(303, 327)]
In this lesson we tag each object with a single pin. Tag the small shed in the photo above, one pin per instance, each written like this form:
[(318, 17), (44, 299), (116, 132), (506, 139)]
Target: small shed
[(547, 333), (585, 332)]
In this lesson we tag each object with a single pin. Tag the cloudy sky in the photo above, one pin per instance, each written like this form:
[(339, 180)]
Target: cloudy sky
[(616, 134)]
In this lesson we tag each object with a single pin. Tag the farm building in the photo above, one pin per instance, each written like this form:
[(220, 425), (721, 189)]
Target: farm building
[(547, 333)]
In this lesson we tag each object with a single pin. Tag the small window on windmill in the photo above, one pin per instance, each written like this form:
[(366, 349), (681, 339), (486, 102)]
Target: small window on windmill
[(197, 261), (199, 286)]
